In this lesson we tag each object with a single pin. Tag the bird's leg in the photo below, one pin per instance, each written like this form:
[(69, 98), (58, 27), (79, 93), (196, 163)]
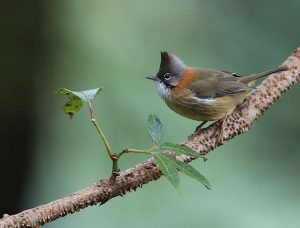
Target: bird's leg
[(199, 128), (219, 134)]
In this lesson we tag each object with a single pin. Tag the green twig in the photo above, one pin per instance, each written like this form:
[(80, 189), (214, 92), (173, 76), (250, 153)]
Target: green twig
[(101, 133), (134, 151), (114, 156)]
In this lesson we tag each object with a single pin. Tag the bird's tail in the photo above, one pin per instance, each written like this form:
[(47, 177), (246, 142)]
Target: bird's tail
[(252, 77)]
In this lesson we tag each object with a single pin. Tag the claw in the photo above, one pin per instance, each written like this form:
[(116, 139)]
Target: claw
[(199, 128), (219, 134)]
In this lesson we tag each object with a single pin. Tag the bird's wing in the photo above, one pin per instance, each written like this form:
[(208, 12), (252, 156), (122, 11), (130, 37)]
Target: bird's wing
[(231, 73), (213, 83)]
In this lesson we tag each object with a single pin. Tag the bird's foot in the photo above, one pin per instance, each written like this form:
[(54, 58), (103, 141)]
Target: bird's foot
[(219, 137), (219, 133), (199, 128)]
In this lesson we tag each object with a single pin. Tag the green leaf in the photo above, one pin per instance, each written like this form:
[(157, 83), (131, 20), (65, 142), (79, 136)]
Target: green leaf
[(181, 149), (74, 104), (167, 168), (88, 95), (85, 95), (155, 128), (188, 170)]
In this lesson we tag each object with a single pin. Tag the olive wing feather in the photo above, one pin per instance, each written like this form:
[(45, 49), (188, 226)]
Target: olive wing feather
[(213, 83)]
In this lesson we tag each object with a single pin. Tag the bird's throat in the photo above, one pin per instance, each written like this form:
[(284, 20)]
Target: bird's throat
[(163, 91)]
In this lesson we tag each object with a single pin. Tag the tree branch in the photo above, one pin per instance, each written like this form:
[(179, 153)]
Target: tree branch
[(203, 142)]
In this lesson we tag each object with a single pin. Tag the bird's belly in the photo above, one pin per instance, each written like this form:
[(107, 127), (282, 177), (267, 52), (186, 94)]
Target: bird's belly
[(205, 109)]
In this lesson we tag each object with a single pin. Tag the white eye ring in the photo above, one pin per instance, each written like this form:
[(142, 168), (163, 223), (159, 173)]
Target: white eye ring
[(167, 76)]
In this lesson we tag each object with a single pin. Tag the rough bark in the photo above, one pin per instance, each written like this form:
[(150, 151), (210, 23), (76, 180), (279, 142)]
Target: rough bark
[(203, 142)]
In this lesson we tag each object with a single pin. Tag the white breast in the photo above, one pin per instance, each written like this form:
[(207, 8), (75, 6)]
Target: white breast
[(163, 91)]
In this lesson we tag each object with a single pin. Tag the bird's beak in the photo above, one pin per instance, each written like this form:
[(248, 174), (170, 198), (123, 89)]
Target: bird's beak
[(153, 78)]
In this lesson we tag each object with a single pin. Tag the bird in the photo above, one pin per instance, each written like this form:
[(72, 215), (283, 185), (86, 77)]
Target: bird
[(202, 94)]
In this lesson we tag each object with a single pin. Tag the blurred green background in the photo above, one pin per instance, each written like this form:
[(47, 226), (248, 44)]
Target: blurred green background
[(76, 44)]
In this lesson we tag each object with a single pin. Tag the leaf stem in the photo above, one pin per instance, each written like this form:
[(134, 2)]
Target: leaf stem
[(135, 151), (101, 133)]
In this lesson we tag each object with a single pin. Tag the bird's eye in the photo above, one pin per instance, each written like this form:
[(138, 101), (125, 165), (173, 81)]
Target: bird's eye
[(167, 76)]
